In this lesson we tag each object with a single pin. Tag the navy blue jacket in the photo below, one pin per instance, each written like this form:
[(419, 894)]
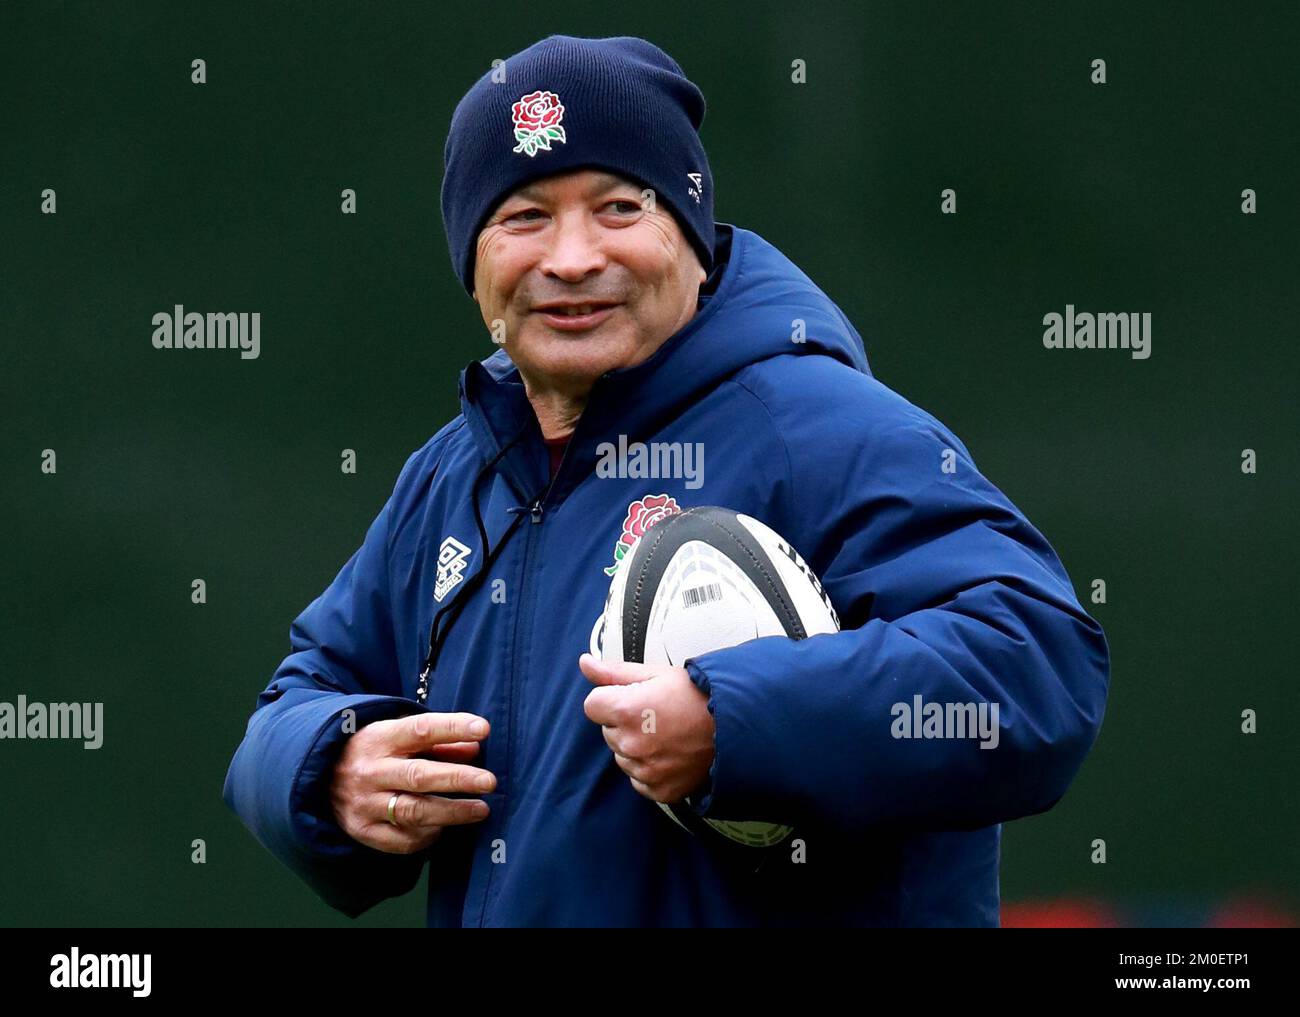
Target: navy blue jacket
[(944, 590)]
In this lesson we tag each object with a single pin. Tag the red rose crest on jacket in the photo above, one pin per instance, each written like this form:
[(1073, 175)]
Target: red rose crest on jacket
[(641, 515)]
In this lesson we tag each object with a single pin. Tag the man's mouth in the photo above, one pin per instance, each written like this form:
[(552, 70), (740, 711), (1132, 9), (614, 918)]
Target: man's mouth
[(576, 317)]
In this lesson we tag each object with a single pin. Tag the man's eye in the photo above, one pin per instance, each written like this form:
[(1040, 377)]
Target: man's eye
[(632, 206), (526, 211)]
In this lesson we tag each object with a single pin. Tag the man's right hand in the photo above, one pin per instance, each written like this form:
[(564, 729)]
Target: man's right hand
[(381, 760)]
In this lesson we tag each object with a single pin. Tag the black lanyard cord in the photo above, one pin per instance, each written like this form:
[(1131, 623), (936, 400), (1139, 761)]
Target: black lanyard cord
[(437, 632)]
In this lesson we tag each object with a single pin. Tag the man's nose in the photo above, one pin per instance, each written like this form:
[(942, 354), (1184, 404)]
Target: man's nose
[(575, 250)]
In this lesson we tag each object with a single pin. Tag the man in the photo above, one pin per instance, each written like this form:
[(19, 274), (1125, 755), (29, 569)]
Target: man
[(437, 706)]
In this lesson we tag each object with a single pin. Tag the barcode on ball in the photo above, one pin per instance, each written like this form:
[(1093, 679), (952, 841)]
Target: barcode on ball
[(701, 594)]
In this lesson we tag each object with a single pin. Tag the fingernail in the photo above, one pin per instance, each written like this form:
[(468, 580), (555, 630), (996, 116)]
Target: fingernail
[(479, 728), (485, 783)]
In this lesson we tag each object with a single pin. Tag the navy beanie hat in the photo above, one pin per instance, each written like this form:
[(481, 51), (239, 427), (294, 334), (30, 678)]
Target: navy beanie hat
[(620, 104)]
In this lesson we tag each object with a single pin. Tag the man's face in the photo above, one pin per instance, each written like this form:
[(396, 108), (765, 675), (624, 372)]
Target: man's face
[(584, 237)]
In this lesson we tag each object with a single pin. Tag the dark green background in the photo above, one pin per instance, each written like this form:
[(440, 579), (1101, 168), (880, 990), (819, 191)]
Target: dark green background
[(225, 196)]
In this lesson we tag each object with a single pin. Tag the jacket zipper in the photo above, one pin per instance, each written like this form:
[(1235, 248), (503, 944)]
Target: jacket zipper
[(526, 611), (535, 513)]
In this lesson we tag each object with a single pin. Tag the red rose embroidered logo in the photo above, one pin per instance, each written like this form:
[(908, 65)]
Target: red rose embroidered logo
[(641, 515), (537, 119)]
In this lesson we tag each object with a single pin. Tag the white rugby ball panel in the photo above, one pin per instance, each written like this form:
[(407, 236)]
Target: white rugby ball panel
[(654, 553), (704, 602), (810, 600)]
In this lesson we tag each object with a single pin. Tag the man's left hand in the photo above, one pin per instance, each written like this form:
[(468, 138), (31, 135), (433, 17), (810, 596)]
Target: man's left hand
[(656, 722)]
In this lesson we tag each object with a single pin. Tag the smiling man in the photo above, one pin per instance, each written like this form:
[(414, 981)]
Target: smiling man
[(437, 707), (588, 273)]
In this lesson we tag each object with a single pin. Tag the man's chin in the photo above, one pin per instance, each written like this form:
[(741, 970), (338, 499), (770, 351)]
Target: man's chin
[(572, 355)]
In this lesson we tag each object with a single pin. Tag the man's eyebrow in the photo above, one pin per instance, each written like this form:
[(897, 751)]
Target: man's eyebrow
[(602, 184)]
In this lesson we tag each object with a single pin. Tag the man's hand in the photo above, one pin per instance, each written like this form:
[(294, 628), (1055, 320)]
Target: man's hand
[(656, 722), (382, 759)]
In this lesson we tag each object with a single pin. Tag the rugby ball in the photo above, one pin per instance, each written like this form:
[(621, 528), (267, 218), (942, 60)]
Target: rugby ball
[(702, 580)]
